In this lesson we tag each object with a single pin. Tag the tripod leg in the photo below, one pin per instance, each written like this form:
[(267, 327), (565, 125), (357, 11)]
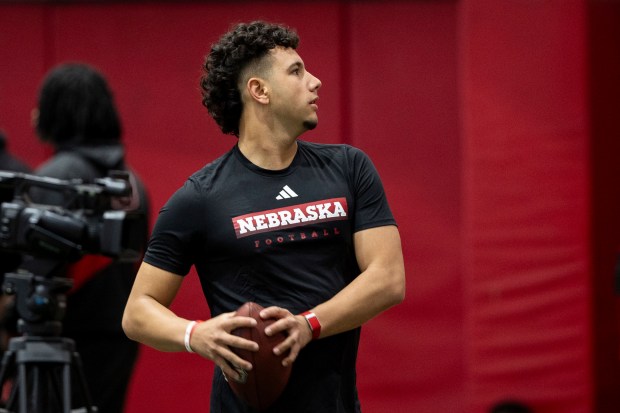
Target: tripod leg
[(43, 376), (66, 394), (22, 386), (8, 362), (88, 401)]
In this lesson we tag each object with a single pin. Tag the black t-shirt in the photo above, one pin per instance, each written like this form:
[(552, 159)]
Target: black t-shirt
[(280, 238)]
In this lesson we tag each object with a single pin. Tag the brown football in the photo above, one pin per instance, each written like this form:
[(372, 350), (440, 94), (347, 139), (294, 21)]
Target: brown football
[(261, 386)]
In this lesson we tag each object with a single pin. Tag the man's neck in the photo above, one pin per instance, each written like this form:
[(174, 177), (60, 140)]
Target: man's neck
[(268, 152), (266, 142)]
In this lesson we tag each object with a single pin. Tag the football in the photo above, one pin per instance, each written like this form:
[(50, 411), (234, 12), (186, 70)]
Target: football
[(261, 386)]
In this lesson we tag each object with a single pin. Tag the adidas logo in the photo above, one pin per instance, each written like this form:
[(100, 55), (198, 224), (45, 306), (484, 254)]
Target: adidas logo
[(286, 193)]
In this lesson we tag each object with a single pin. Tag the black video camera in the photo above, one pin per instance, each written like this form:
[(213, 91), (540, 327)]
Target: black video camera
[(93, 217), (99, 217)]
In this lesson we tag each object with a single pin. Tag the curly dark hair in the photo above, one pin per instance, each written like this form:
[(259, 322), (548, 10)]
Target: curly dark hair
[(244, 44)]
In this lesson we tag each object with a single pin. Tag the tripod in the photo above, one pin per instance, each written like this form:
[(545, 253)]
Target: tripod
[(41, 362)]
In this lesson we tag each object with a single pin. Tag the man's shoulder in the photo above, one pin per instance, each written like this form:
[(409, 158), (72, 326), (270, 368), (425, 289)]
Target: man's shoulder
[(342, 151), (207, 176), (213, 165), (318, 146)]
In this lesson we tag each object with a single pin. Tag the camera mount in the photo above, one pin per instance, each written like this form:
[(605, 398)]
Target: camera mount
[(92, 218)]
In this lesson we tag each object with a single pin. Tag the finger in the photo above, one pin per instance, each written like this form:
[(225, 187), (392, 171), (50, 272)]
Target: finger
[(292, 356), (226, 315), (274, 328), (231, 372), (242, 343), (235, 322), (283, 324), (230, 357), (274, 312), (284, 346), (242, 375)]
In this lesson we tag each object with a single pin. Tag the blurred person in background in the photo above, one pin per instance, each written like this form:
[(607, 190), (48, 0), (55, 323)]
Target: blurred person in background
[(77, 116)]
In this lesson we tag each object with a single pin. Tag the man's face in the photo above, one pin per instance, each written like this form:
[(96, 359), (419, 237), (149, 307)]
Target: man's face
[(293, 91)]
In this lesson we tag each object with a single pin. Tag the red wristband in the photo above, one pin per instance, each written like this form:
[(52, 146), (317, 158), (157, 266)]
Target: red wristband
[(313, 323)]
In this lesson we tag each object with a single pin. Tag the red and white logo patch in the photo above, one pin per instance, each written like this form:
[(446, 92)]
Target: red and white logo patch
[(334, 209)]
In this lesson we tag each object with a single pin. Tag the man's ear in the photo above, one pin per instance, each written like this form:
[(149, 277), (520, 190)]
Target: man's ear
[(258, 90), (34, 117)]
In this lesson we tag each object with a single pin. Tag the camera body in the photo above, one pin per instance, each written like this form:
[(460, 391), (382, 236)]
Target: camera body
[(99, 217), (96, 218), (48, 231)]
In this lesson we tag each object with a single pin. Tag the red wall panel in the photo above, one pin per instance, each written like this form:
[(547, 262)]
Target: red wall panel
[(526, 204), (22, 62), (404, 113)]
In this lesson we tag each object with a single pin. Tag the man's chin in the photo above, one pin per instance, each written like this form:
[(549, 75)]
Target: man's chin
[(310, 124)]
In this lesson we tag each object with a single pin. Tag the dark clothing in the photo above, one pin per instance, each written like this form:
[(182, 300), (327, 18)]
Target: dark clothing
[(9, 162), (108, 361), (9, 261), (95, 309), (280, 238)]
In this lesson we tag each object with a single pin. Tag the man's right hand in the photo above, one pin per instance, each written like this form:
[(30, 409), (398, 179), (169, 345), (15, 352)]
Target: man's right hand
[(213, 340)]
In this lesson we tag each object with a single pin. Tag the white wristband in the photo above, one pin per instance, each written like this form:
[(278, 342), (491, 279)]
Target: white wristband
[(188, 335)]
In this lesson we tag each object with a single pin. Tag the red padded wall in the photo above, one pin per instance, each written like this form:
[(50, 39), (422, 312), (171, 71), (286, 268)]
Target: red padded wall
[(23, 61), (409, 125), (479, 116), (526, 204)]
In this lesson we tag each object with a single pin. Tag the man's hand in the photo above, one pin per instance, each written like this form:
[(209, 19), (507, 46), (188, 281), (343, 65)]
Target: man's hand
[(212, 339), (295, 327)]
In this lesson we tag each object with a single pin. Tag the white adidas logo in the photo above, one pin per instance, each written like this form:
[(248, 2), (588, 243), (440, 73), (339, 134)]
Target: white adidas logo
[(286, 192)]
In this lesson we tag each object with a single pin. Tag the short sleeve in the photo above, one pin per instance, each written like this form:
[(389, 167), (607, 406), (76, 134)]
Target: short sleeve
[(371, 205), (177, 231)]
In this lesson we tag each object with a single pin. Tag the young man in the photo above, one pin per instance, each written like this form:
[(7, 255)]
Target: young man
[(296, 227)]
